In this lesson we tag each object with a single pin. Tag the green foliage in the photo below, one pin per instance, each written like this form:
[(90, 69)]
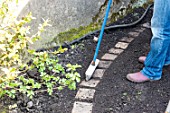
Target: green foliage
[(14, 43), (52, 73), (60, 50)]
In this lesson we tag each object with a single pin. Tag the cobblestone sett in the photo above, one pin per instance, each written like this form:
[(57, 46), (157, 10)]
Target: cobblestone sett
[(99, 73), (104, 64), (126, 39), (134, 34), (85, 94), (91, 83), (140, 30), (109, 57), (82, 107), (115, 51), (121, 45), (146, 25)]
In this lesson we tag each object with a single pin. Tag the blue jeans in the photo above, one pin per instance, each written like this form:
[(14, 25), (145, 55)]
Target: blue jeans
[(159, 54)]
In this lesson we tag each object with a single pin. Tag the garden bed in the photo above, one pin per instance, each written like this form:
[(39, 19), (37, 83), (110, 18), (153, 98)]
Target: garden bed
[(114, 94)]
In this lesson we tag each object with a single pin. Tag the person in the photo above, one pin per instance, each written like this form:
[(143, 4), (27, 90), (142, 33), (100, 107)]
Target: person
[(159, 54)]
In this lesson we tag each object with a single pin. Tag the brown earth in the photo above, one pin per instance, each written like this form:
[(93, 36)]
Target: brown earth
[(114, 94)]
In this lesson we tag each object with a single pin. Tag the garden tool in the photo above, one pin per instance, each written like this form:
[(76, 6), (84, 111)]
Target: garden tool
[(95, 61)]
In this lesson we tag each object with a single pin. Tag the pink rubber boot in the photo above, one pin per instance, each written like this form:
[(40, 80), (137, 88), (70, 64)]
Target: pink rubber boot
[(137, 77), (142, 59)]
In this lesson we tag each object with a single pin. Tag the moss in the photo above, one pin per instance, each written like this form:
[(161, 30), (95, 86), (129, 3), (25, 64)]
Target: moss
[(75, 33)]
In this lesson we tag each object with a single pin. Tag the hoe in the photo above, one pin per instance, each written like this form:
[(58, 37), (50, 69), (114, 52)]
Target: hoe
[(95, 61)]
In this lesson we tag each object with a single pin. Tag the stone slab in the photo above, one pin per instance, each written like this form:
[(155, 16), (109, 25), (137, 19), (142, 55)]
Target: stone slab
[(108, 56), (121, 45), (134, 34), (140, 30), (82, 107), (116, 51), (146, 25), (99, 73), (126, 39), (104, 64), (85, 94), (91, 83)]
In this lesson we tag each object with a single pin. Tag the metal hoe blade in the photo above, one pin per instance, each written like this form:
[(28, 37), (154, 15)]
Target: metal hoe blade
[(91, 70)]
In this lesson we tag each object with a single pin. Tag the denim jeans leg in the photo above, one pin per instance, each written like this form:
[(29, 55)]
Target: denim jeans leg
[(167, 61), (160, 26)]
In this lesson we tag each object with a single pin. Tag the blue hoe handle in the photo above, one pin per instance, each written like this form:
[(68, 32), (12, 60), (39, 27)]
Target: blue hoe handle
[(102, 30)]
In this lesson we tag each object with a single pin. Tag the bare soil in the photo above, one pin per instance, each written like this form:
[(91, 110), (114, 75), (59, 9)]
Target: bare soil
[(114, 94)]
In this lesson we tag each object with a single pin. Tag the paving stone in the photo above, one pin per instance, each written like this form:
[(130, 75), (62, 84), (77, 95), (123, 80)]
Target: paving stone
[(121, 45), (147, 25), (108, 56), (82, 107), (140, 30), (85, 94), (126, 39), (116, 51), (104, 64), (91, 83), (99, 73), (135, 34)]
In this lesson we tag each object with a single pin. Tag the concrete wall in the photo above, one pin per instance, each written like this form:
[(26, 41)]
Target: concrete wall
[(65, 14)]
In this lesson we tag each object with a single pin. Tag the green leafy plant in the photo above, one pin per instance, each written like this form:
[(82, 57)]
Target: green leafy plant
[(14, 43), (53, 74)]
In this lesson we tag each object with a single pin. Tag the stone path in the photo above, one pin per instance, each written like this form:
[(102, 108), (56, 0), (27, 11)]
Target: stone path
[(86, 92)]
